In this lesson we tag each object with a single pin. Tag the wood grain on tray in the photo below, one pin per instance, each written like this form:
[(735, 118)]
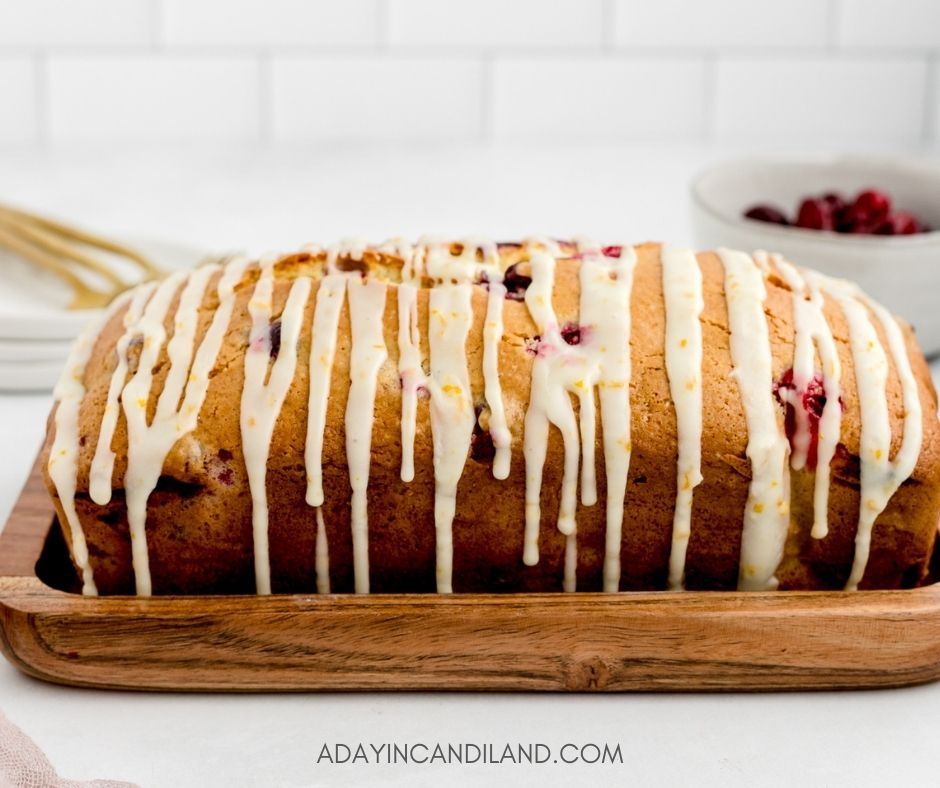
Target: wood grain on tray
[(580, 642)]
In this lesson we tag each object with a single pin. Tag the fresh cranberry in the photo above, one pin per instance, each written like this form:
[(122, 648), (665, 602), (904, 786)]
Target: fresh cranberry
[(836, 202), (612, 251), (516, 284), (571, 333), (813, 401), (875, 203), (815, 214), (858, 221), (766, 213), (900, 223), (225, 455), (275, 333)]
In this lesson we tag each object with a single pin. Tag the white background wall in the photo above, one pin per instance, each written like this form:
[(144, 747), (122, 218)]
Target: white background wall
[(827, 73)]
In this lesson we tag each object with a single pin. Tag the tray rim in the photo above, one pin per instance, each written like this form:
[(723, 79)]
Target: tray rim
[(27, 604)]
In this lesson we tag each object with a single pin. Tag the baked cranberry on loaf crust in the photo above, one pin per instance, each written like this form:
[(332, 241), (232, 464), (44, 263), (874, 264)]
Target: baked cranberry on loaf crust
[(479, 417)]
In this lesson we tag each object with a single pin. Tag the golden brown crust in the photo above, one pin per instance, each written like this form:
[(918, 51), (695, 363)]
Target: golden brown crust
[(199, 520)]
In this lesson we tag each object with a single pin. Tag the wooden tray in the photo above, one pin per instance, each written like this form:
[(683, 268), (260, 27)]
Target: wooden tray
[(585, 641)]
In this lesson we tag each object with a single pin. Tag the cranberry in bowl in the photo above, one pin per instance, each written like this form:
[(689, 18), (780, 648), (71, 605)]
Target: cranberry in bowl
[(870, 219)]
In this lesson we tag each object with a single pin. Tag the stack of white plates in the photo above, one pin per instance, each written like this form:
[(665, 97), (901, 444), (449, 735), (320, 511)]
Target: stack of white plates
[(36, 326)]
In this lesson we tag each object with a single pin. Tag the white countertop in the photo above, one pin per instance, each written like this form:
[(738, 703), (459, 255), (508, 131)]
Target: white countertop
[(233, 199)]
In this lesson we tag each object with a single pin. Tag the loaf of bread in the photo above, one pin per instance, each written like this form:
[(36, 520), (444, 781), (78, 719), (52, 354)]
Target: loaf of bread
[(470, 416)]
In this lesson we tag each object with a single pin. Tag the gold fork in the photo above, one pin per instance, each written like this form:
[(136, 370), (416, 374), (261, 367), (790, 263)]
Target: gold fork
[(63, 250)]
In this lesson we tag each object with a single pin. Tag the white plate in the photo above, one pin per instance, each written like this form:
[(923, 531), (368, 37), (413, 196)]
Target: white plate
[(34, 349), (33, 303), (30, 375)]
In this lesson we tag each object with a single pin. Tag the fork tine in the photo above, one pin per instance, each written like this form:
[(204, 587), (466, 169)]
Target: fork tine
[(150, 269), (49, 243), (84, 297)]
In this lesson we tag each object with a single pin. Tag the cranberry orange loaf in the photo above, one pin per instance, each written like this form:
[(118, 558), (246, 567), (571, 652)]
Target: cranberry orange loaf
[(471, 416)]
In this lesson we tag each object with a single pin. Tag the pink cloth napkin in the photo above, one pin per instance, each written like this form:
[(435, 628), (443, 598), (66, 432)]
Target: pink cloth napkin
[(24, 765)]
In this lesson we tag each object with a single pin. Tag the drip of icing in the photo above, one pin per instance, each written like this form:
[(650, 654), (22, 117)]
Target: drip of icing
[(812, 334), (63, 456), (366, 306), (606, 286), (492, 336), (548, 404), (558, 369), (766, 515), (880, 476), (601, 359), (263, 396), (410, 370), (682, 292), (322, 556), (149, 443), (329, 305), (452, 414), (184, 390), (102, 464)]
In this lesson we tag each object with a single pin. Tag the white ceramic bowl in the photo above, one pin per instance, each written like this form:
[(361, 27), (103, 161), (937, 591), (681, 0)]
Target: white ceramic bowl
[(903, 272)]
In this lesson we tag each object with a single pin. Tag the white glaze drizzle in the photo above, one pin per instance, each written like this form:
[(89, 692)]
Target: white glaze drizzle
[(812, 334), (329, 305), (549, 404), (265, 389), (452, 414), (366, 307), (766, 515), (682, 293), (149, 443), (410, 370), (558, 371), (102, 464), (880, 476), (179, 403), (606, 287), (601, 357), (492, 390), (62, 465)]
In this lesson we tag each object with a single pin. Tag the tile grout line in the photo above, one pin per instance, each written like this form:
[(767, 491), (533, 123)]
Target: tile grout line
[(42, 99), (382, 31), (709, 93), (155, 20), (266, 98), (833, 21), (931, 101), (608, 16), (487, 130)]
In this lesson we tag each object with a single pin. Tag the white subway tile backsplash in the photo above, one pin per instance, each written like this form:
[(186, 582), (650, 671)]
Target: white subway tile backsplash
[(154, 98), (52, 23), (18, 99), (824, 101), (260, 23), (598, 99), (904, 24), (372, 98), (823, 72), (496, 23), (720, 23)]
